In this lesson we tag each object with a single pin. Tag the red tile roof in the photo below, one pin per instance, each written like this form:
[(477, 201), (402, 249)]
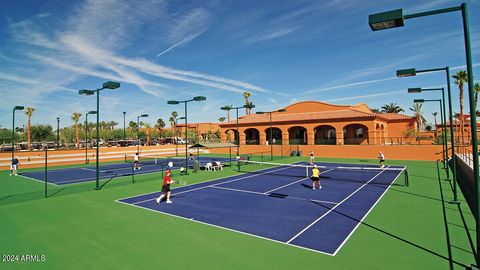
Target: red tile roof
[(315, 116)]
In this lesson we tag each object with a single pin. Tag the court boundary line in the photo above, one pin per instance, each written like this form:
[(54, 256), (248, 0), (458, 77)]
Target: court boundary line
[(368, 212), (245, 233), (333, 208), (225, 228)]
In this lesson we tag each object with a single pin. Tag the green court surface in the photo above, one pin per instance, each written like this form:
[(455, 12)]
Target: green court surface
[(79, 228)]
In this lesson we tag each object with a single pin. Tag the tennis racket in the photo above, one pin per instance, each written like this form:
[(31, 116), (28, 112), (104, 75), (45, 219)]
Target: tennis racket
[(180, 182)]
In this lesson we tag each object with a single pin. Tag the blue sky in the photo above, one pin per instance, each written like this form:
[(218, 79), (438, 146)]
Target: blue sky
[(280, 51)]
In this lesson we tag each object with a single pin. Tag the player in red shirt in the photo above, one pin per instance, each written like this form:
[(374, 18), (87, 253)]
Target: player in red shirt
[(166, 187)]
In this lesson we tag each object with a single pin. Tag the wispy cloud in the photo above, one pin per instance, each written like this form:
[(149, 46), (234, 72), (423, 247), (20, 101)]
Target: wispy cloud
[(271, 35), (362, 97), (184, 41)]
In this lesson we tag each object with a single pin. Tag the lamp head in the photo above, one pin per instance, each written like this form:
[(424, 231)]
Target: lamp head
[(124, 113), (419, 100), (199, 98), (406, 72), (144, 115), (415, 90), (18, 108), (86, 92), (111, 85), (386, 20), (181, 118), (92, 112), (226, 108), (173, 102)]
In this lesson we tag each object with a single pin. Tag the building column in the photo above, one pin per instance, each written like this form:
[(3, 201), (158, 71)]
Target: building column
[(223, 137), (372, 137), (285, 138), (310, 138), (339, 137), (242, 138), (263, 138)]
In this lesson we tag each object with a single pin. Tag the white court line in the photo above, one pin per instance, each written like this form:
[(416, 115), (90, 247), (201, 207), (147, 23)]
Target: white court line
[(265, 194), (225, 228), (38, 180), (366, 214), (333, 208), (213, 185), (293, 183)]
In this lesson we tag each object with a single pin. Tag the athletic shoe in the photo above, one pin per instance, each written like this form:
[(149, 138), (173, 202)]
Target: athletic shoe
[(169, 201), (313, 188), (10, 174), (320, 187)]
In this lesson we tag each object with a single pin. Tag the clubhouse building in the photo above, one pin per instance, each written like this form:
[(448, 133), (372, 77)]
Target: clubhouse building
[(314, 122)]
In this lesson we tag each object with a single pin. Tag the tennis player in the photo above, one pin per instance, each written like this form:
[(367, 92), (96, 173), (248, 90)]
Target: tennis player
[(316, 177), (312, 157), (14, 166), (166, 188), (381, 159), (136, 162)]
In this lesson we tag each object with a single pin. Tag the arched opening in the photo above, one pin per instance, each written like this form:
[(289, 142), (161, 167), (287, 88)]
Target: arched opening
[(252, 136), (276, 134), (232, 136), (325, 135), (297, 135), (355, 134)]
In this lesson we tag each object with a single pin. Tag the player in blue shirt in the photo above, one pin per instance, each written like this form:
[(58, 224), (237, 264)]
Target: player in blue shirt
[(14, 166)]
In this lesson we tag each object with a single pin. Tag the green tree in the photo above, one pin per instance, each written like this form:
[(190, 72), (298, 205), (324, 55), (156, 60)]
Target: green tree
[(391, 108), (460, 78), (42, 133), (132, 125), (418, 114), (221, 119), (375, 110)]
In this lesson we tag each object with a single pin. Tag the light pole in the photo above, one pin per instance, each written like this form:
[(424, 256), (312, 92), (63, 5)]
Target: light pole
[(87, 138), (138, 130), (15, 108), (176, 134), (58, 132), (395, 18), (175, 102), (124, 130), (413, 72), (86, 92), (237, 135), (270, 141)]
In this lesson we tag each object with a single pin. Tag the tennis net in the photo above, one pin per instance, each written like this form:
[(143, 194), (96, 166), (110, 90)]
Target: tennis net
[(336, 172)]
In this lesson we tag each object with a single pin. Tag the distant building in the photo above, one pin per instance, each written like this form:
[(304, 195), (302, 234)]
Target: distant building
[(203, 131), (314, 122)]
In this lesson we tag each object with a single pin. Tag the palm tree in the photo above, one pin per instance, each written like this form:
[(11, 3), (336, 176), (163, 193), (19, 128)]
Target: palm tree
[(160, 125), (147, 127), (246, 95), (221, 119), (375, 110), (460, 78), (76, 117), (173, 121), (476, 89), (228, 108), (29, 111), (418, 114), (133, 126), (391, 108)]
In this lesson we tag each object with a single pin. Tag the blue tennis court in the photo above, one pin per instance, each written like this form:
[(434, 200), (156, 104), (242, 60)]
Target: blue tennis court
[(278, 204), (106, 171)]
